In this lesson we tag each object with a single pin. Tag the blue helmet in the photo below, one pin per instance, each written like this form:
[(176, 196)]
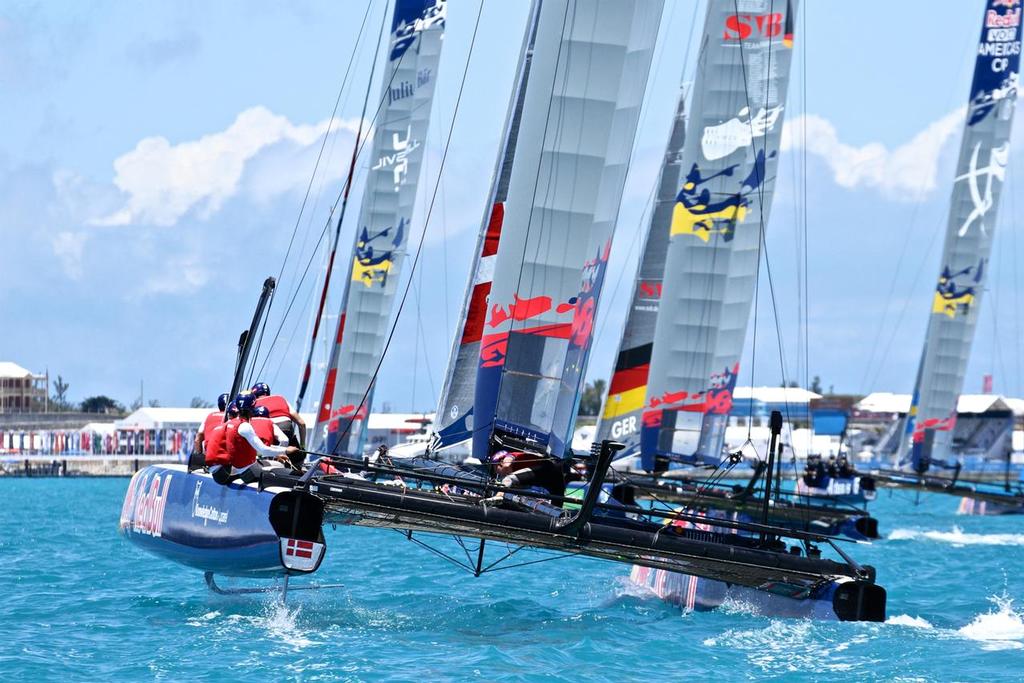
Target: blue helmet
[(260, 389), (245, 402), (261, 411), (222, 402)]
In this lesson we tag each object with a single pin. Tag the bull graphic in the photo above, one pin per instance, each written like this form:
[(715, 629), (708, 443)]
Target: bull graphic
[(373, 260), (956, 291), (982, 198), (696, 214)]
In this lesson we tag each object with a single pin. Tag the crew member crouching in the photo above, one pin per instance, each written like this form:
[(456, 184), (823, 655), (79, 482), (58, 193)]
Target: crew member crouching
[(244, 445), (517, 469), (283, 416)]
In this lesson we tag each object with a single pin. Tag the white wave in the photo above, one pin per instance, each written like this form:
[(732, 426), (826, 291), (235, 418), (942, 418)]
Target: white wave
[(281, 622), (907, 620), (956, 537), (1002, 629)]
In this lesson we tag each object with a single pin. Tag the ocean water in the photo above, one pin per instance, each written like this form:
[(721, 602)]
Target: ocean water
[(80, 603)]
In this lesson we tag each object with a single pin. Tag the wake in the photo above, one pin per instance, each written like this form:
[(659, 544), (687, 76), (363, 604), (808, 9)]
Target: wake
[(956, 537)]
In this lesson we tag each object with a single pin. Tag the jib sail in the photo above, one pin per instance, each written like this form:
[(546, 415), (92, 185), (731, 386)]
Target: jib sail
[(587, 80), (723, 202), (414, 49), (980, 170), (627, 391)]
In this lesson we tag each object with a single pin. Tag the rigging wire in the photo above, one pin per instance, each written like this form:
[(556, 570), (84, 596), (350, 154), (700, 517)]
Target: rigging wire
[(423, 231)]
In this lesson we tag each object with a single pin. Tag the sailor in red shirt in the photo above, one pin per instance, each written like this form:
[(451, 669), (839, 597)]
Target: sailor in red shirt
[(244, 445), (281, 413), (199, 448)]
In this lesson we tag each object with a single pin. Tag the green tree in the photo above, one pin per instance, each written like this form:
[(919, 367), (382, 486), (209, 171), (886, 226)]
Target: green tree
[(816, 384), (60, 394), (199, 402), (101, 404), (590, 402)]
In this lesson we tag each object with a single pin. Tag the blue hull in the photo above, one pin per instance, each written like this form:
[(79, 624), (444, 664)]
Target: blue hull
[(190, 519)]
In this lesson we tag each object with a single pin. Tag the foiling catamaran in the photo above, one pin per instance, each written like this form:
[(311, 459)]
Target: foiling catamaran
[(926, 444), (569, 137)]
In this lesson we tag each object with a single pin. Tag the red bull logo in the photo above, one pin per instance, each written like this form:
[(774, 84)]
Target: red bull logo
[(743, 26), (144, 503), (374, 255), (955, 292), (696, 213)]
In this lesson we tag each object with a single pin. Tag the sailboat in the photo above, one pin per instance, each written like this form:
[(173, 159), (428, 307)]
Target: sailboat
[(578, 112), (981, 168)]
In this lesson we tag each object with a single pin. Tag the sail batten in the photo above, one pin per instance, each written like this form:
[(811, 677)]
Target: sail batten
[(382, 231), (977, 186)]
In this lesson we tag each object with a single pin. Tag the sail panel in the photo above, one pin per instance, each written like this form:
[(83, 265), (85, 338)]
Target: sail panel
[(723, 201), (588, 75), (382, 233), (977, 186), (627, 391), (454, 421)]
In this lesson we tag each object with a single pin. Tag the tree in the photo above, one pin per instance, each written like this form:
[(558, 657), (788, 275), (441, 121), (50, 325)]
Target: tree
[(60, 393), (590, 402), (816, 384), (101, 404), (154, 403), (199, 402)]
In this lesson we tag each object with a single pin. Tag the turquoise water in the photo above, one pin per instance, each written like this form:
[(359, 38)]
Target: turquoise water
[(83, 604)]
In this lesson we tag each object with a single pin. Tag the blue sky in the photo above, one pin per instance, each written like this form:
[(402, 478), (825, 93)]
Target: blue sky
[(154, 158)]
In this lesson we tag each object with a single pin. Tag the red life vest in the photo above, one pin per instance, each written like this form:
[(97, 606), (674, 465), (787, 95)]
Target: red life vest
[(276, 404), (214, 446), (264, 428), (240, 452), (212, 420)]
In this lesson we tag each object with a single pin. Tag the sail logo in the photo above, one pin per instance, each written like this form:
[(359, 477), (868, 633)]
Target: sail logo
[(207, 513), (494, 347), (1008, 19), (743, 26), (586, 303), (372, 264), (696, 214), (398, 160), (721, 140), (987, 100), (404, 35), (955, 292), (982, 197)]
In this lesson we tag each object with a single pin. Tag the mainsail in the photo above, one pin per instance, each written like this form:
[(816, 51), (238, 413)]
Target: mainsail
[(729, 161), (627, 391), (587, 79), (454, 421), (981, 168), (414, 49)]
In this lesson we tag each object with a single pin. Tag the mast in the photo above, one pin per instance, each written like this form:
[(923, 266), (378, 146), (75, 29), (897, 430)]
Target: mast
[(981, 168), (587, 80), (723, 204), (414, 50), (454, 418), (623, 406)]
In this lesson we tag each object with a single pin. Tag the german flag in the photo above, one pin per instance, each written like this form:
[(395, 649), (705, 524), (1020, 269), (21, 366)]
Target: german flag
[(787, 28)]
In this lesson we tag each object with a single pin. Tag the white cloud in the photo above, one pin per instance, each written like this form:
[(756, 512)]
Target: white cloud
[(165, 181), (182, 274), (69, 248), (906, 172)]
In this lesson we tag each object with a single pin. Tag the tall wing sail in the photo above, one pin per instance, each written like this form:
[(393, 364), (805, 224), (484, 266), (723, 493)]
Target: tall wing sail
[(981, 168), (723, 202), (587, 80), (454, 421), (417, 33), (627, 391)]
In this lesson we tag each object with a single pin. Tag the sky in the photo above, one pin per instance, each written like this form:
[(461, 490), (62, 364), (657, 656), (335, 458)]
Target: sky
[(155, 158)]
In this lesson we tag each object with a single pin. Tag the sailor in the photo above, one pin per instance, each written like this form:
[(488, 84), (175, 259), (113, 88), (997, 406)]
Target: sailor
[(212, 420), (243, 445), (267, 429), (281, 413), (516, 469), (831, 471), (217, 459), (844, 470)]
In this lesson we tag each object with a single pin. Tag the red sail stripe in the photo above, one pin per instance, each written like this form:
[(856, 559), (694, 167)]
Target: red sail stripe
[(476, 316), (493, 234)]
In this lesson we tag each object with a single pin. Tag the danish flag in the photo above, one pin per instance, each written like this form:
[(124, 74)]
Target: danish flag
[(298, 548)]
